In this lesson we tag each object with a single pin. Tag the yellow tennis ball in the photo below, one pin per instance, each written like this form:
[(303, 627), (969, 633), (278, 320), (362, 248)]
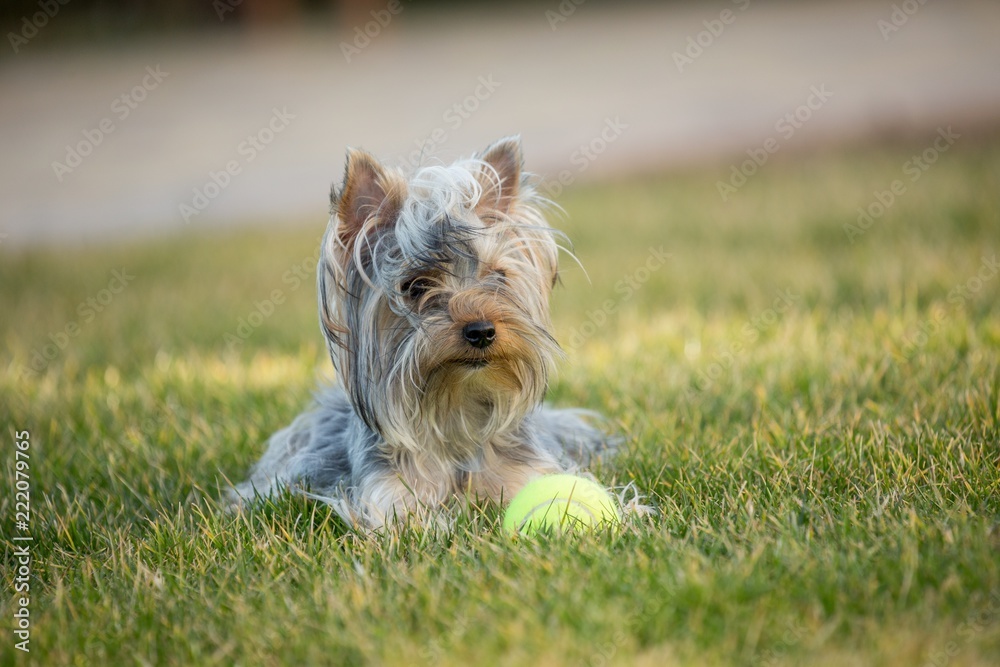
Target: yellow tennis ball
[(560, 503)]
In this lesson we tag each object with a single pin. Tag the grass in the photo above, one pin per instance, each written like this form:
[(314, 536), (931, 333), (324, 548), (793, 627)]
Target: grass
[(816, 421)]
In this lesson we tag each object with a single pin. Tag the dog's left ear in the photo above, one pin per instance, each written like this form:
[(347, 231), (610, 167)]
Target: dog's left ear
[(501, 175), (371, 193)]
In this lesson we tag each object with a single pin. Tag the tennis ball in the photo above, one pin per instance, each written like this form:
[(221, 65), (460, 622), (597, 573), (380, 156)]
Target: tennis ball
[(560, 503)]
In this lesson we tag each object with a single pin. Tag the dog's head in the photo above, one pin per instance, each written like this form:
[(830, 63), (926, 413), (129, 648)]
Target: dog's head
[(433, 295)]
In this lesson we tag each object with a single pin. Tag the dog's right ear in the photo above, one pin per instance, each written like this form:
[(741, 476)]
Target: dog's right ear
[(370, 197), (501, 179)]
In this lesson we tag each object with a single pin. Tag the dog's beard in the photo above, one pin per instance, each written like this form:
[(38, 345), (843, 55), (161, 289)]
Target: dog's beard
[(437, 396)]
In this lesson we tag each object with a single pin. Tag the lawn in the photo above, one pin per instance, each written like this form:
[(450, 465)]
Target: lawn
[(811, 404)]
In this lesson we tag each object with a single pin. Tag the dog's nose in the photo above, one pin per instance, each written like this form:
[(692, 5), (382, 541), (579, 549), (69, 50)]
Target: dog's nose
[(479, 334)]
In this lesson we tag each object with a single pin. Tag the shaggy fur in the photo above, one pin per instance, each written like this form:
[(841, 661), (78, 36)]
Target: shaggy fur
[(433, 299)]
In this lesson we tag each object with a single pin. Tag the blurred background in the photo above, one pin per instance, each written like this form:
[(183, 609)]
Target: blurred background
[(135, 118)]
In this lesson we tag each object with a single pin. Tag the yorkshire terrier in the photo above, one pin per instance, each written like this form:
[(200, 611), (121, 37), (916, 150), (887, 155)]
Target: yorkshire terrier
[(434, 302)]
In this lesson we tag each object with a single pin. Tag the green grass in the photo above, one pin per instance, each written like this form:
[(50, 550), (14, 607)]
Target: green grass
[(827, 478)]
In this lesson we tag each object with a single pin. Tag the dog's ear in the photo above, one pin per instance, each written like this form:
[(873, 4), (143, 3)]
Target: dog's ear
[(501, 174), (369, 192)]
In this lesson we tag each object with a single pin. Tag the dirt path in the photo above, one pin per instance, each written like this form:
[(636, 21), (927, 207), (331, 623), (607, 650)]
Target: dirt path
[(215, 130)]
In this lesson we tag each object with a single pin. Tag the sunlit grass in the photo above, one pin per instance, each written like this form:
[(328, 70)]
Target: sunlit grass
[(816, 421)]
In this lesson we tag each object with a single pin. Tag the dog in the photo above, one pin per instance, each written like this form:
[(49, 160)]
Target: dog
[(434, 302)]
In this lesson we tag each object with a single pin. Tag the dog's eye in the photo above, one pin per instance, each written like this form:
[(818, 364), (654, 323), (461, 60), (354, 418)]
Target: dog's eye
[(416, 287), (500, 273)]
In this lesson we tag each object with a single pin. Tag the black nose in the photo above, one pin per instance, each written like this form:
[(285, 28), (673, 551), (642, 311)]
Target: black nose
[(479, 334)]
